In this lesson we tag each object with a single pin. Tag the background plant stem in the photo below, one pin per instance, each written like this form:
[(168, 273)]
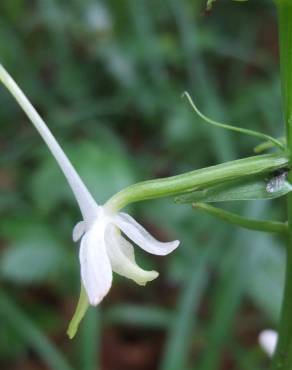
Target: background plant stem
[(281, 359)]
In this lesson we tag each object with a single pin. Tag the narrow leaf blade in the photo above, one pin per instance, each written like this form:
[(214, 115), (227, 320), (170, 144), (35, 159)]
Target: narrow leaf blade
[(248, 189)]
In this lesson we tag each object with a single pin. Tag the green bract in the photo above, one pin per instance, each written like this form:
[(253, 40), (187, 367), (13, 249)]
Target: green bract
[(245, 189)]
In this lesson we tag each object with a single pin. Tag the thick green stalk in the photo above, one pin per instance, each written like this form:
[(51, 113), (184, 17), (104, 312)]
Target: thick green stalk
[(198, 179), (282, 358)]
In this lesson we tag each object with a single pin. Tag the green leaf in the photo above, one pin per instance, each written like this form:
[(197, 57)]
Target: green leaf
[(104, 169), (31, 334), (180, 332), (23, 226), (139, 316), (88, 346), (245, 222), (236, 269), (248, 189), (30, 261), (267, 277)]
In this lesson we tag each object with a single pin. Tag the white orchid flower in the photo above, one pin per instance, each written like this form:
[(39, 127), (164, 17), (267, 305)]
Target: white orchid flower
[(103, 248), (268, 341)]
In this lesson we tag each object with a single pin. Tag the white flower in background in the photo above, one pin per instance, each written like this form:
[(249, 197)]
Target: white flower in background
[(98, 18), (268, 341), (103, 249)]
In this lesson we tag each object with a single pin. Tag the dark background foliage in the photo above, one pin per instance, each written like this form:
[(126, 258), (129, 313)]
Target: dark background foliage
[(107, 76)]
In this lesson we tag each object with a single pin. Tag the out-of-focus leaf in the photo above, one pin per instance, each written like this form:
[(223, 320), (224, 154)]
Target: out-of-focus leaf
[(9, 200), (198, 75), (143, 316), (249, 189), (180, 129), (178, 343), (11, 345), (103, 169), (31, 261), (25, 227), (27, 330), (267, 278), (239, 264), (88, 345)]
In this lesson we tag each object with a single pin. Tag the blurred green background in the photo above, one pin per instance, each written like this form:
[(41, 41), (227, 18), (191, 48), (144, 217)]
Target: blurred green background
[(107, 76)]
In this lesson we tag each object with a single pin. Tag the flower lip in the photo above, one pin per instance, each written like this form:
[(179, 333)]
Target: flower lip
[(122, 257)]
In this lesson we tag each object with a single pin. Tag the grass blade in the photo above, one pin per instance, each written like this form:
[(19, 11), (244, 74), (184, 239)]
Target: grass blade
[(30, 333), (177, 346), (90, 342)]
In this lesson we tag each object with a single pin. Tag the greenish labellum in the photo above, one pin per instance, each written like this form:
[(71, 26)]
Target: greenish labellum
[(81, 309), (262, 187)]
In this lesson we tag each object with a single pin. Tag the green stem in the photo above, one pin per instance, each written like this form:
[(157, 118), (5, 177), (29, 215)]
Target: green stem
[(247, 223), (240, 130), (197, 179), (282, 358), (266, 145)]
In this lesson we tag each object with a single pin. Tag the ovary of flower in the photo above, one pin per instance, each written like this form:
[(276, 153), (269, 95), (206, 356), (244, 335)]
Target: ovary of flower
[(268, 341), (103, 249)]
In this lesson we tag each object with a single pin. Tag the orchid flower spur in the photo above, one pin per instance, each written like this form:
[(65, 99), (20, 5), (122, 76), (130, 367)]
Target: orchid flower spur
[(103, 248)]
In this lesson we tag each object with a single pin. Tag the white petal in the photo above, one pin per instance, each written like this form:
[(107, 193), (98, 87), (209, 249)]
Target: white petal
[(268, 341), (96, 271), (141, 237), (122, 258), (79, 230)]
